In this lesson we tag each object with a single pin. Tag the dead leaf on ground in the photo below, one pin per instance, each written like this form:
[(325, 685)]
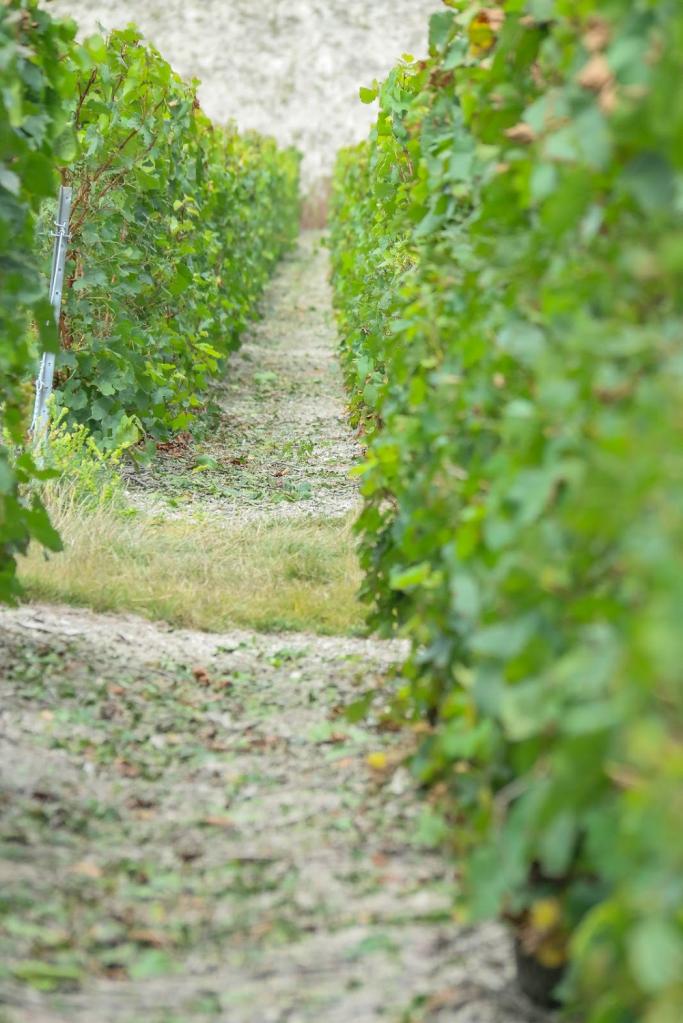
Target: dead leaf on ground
[(344, 763), (214, 821), (86, 868), (149, 937), (177, 446)]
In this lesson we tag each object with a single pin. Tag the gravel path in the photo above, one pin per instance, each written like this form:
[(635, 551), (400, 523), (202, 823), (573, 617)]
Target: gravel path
[(190, 830)]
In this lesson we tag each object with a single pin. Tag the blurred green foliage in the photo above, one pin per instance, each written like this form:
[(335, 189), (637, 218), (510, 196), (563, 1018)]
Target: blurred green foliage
[(508, 266)]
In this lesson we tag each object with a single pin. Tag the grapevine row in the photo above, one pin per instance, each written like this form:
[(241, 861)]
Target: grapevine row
[(508, 264)]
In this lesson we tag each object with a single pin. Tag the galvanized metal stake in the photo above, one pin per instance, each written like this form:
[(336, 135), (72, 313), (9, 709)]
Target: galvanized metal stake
[(46, 373)]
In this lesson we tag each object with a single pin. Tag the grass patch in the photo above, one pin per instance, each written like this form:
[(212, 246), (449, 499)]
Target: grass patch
[(269, 575)]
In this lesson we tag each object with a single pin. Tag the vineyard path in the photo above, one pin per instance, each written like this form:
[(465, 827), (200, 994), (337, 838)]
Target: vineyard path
[(191, 829), (281, 445)]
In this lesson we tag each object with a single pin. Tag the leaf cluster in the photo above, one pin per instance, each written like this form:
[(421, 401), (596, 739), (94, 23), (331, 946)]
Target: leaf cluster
[(508, 266), (177, 224)]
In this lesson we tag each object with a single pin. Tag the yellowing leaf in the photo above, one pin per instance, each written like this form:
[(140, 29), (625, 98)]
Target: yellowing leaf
[(546, 914)]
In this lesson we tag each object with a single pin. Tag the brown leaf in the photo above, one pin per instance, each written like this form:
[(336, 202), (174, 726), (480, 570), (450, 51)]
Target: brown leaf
[(596, 74), (609, 99), (495, 17), (521, 132), (116, 973), (219, 746), (217, 822), (201, 674), (141, 802), (148, 937), (222, 683), (449, 998), (598, 35), (144, 815), (86, 868)]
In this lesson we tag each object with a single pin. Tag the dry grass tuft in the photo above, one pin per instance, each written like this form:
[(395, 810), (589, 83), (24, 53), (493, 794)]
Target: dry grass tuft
[(276, 575)]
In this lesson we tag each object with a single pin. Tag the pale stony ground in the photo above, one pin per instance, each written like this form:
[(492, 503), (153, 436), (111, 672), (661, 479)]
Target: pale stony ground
[(190, 831), (288, 68), (190, 827)]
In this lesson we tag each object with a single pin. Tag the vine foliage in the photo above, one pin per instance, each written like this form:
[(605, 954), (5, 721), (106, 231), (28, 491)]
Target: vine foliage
[(508, 265), (176, 226)]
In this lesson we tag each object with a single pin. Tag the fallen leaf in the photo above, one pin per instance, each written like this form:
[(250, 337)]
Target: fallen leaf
[(144, 815), (86, 868), (141, 802), (448, 998), (148, 937), (115, 973), (219, 746), (377, 761), (336, 738), (217, 822)]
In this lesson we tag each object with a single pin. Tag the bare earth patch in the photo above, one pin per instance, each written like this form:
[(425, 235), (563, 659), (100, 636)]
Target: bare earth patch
[(189, 830)]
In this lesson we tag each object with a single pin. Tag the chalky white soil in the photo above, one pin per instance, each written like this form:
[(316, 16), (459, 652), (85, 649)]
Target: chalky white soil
[(289, 68)]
